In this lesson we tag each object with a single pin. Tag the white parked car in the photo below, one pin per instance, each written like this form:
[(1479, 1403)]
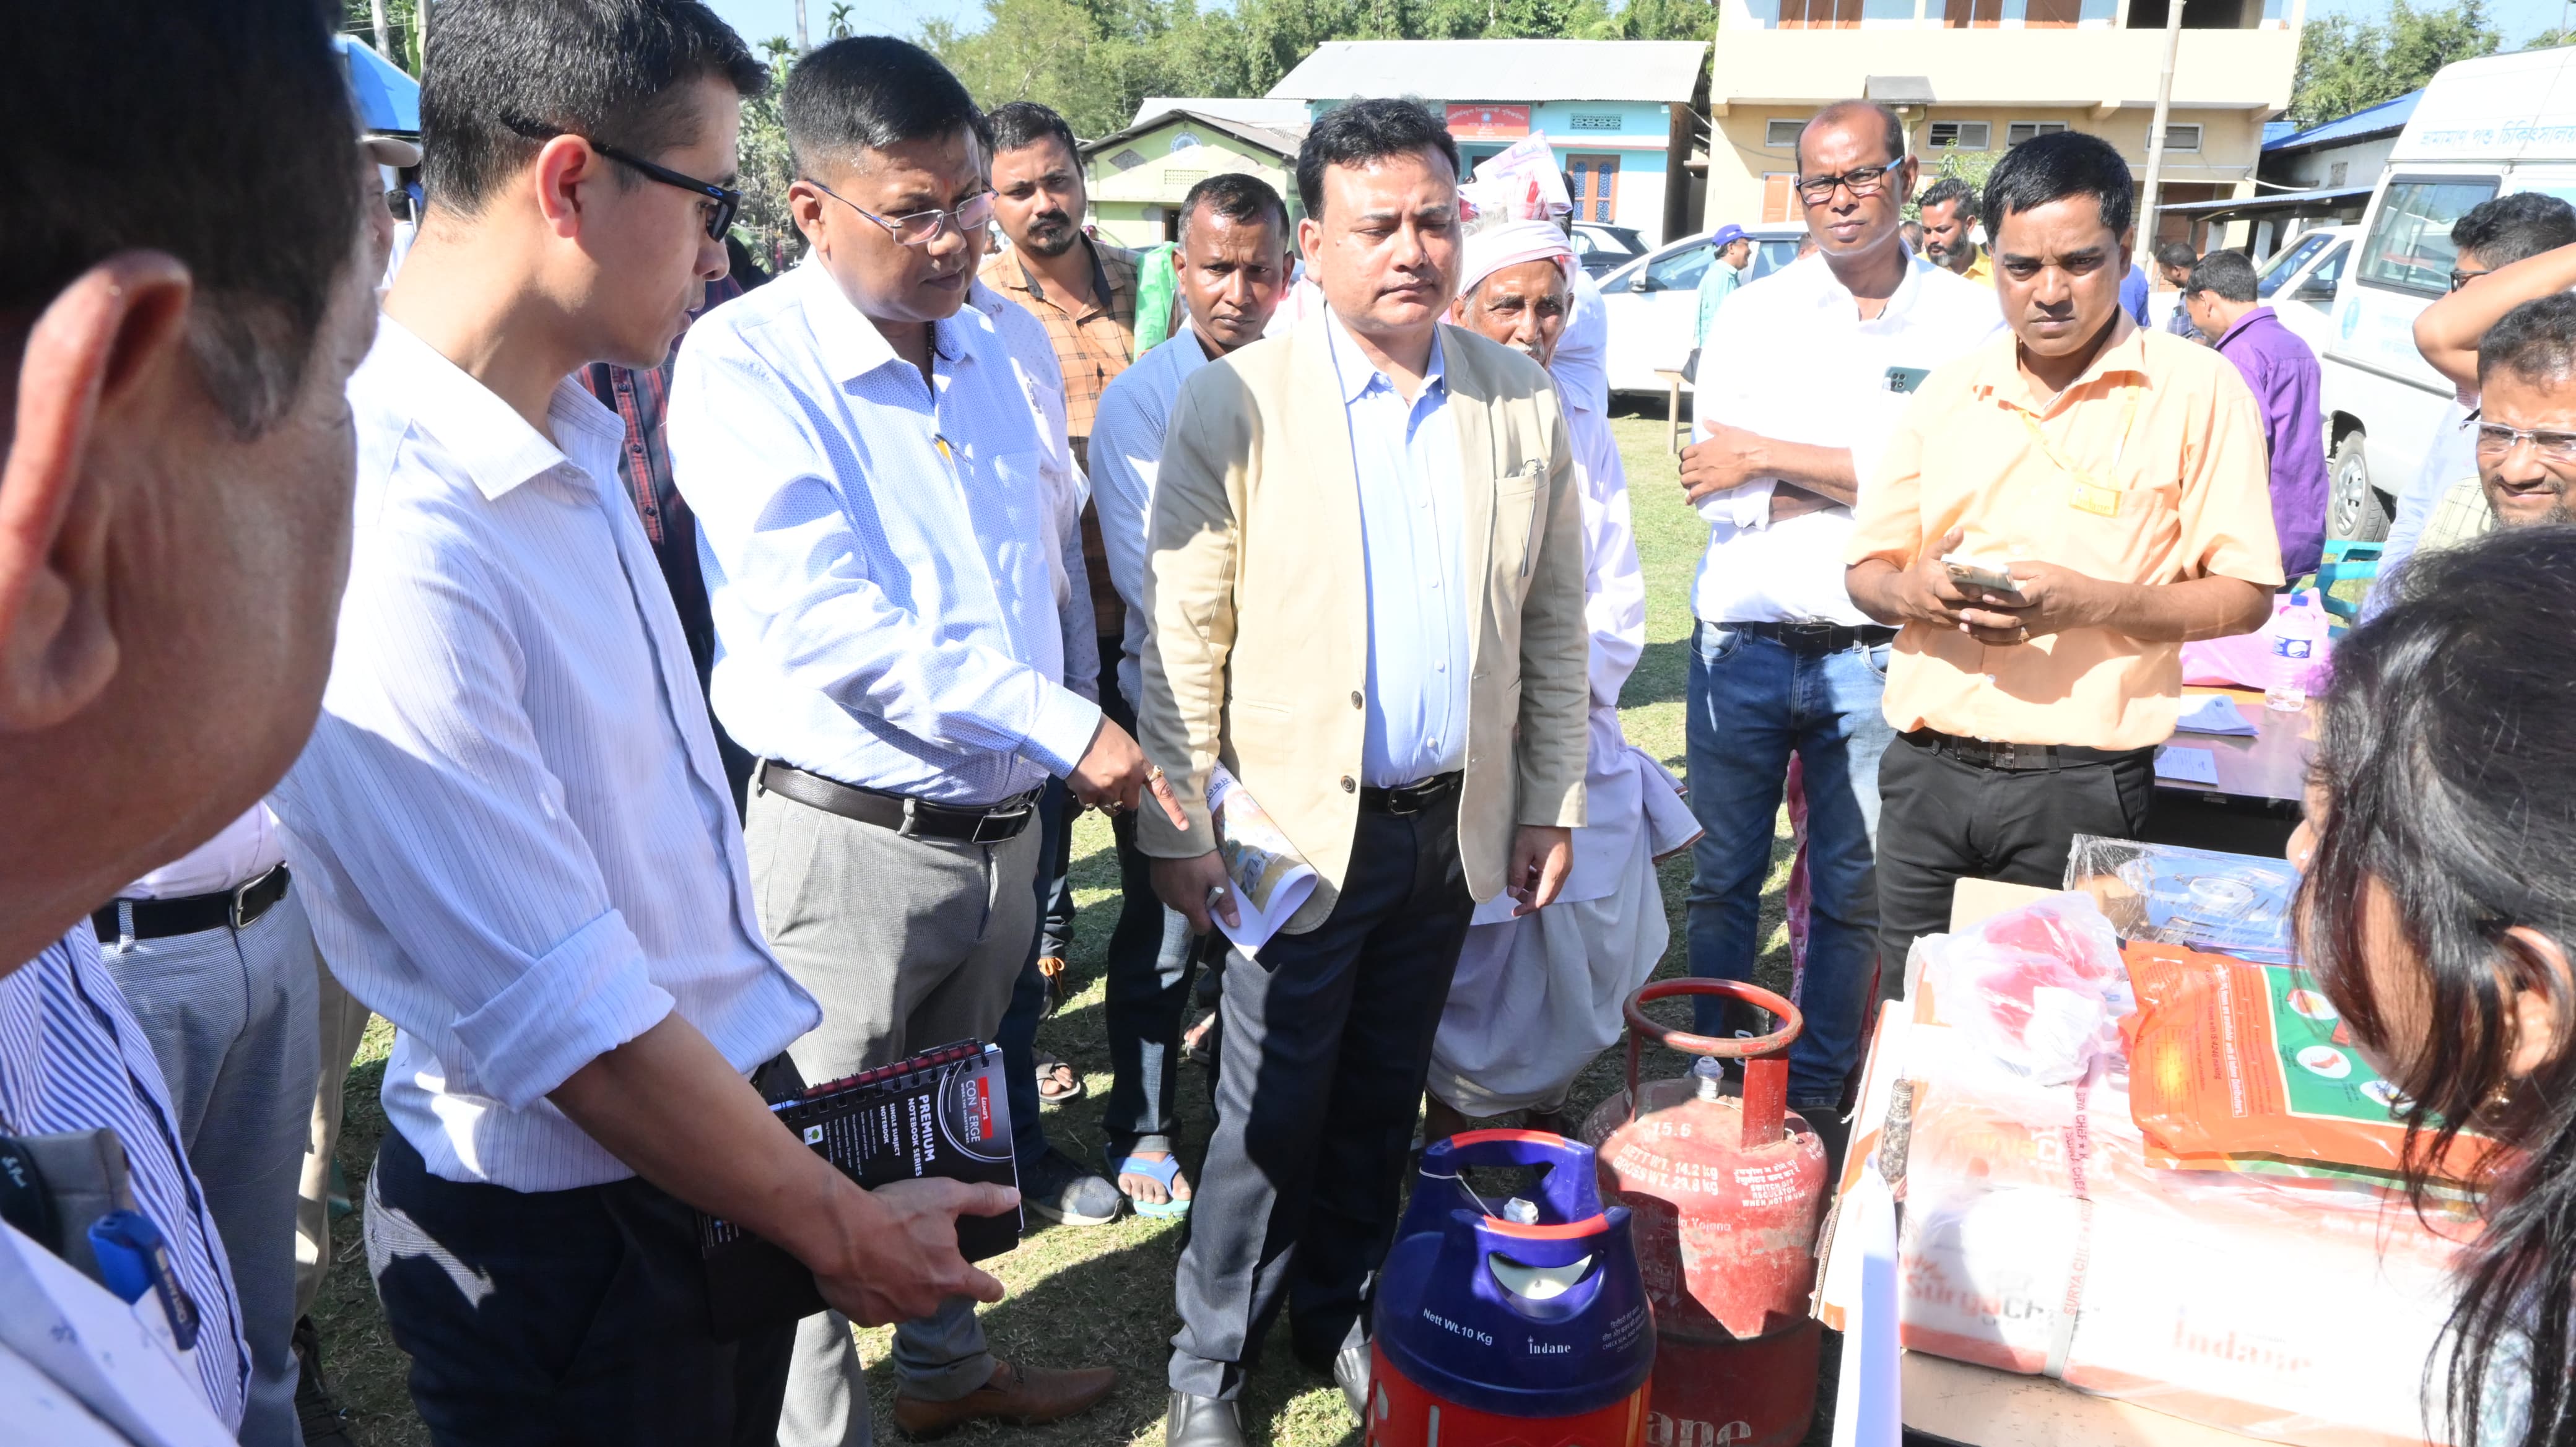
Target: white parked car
[(1602, 247), (1653, 303)]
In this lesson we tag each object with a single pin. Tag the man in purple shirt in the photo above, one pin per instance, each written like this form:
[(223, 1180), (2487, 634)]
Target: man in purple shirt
[(2283, 375)]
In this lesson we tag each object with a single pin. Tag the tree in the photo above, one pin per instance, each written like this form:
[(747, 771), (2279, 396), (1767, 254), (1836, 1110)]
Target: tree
[(2346, 66), (767, 171), (402, 28)]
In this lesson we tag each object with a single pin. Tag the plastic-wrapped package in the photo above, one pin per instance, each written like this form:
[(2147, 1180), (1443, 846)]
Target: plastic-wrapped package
[(2201, 898), (2037, 1239), (2239, 1064), (2040, 988)]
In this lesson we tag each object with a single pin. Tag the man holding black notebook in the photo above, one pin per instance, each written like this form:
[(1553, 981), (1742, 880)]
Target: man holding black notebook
[(511, 815)]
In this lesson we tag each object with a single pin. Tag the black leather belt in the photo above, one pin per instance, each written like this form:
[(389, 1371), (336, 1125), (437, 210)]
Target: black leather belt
[(1814, 638), (1410, 798), (2015, 758), (160, 919), (913, 818)]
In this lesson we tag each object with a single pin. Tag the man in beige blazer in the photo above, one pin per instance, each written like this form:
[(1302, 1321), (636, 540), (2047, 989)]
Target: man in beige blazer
[(1366, 583)]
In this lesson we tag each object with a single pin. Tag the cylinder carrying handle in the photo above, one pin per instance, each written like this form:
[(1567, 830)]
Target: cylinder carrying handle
[(1766, 1070)]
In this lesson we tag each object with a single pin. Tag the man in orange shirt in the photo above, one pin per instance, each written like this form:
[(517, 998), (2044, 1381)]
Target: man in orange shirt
[(2117, 476)]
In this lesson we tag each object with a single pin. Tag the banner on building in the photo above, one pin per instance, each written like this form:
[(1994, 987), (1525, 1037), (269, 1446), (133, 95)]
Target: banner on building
[(1488, 123)]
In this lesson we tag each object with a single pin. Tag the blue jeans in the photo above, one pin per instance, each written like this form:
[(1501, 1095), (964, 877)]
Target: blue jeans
[(1018, 1032), (1753, 701)]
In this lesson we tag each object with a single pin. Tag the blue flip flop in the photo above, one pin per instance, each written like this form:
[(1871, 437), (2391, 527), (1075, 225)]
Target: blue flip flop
[(1167, 1170)]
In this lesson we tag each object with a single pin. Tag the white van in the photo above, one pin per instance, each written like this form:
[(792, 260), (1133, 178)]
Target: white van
[(2485, 128)]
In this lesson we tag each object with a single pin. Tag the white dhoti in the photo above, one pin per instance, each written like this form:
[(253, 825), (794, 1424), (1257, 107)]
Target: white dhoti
[(1535, 998)]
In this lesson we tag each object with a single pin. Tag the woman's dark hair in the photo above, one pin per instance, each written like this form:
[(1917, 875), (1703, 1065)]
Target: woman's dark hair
[(2058, 165), (1365, 131), (2447, 762)]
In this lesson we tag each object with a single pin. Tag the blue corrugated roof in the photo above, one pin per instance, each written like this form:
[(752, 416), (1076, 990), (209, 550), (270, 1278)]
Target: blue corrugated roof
[(2388, 115)]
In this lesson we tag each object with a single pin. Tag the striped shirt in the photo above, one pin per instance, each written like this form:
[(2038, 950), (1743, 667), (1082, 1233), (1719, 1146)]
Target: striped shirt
[(881, 553), (73, 1059), (510, 827)]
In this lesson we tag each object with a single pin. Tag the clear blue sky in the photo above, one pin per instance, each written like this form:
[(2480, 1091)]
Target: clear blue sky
[(760, 19)]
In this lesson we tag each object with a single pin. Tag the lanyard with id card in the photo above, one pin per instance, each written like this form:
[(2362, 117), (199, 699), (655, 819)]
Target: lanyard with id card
[(2089, 493)]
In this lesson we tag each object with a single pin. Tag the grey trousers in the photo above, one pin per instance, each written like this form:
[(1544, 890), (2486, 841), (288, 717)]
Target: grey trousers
[(344, 1025), (907, 944), (232, 1016)]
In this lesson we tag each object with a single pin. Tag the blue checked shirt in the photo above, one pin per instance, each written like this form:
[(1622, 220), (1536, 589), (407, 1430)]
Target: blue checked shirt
[(880, 553), (72, 1059), (510, 827), (1412, 497)]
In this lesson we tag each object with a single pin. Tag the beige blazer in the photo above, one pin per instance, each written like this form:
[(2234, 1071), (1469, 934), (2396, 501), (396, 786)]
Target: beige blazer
[(1258, 654)]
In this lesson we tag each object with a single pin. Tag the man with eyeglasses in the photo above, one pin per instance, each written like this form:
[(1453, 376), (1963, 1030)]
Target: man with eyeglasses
[(885, 577), (511, 818), (2525, 439), (2507, 251), (1809, 370)]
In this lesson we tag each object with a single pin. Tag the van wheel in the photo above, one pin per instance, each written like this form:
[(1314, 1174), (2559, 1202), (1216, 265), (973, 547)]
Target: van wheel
[(2355, 512)]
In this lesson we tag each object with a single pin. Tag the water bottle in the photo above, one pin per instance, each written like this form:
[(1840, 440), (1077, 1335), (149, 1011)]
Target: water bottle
[(2296, 632)]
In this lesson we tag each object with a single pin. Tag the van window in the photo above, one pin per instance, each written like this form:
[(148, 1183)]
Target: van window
[(2288, 262), (2409, 247)]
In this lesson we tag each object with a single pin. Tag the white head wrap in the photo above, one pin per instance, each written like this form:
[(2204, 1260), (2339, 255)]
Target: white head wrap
[(1490, 249)]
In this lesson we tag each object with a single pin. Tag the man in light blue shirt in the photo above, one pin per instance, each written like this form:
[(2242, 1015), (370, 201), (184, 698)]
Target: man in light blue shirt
[(1727, 269), (1231, 270), (883, 564)]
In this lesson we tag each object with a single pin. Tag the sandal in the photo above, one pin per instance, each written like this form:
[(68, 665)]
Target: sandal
[(1058, 1082), (1059, 985), (1167, 1170)]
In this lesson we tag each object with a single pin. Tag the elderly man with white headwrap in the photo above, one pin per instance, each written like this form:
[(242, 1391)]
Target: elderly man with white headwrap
[(1535, 998)]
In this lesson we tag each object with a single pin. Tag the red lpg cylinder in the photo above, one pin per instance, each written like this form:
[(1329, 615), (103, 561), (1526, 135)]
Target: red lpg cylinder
[(1727, 1196)]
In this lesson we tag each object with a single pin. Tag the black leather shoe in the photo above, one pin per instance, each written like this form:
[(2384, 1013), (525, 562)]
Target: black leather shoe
[(1351, 1374), (1203, 1422)]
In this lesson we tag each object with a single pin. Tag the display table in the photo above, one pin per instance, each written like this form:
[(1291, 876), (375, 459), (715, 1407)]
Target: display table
[(2261, 782)]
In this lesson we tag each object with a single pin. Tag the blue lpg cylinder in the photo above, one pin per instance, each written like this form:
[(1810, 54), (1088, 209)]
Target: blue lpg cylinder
[(1492, 1315)]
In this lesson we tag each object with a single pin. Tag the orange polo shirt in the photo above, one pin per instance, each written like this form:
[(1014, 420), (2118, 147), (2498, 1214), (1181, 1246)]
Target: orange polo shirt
[(2158, 476)]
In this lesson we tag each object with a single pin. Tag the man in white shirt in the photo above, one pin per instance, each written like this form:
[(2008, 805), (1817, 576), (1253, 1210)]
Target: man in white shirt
[(511, 817), (1812, 369), (1231, 265), (882, 561)]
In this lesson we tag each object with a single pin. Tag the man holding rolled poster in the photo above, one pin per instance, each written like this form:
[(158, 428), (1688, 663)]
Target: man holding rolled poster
[(2059, 512), (1367, 585)]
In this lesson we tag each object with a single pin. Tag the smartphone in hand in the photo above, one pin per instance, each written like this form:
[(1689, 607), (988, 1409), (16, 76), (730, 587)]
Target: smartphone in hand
[(1992, 578)]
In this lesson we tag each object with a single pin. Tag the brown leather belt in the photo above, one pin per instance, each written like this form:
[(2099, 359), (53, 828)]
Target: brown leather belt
[(905, 815), (2014, 758), (161, 919)]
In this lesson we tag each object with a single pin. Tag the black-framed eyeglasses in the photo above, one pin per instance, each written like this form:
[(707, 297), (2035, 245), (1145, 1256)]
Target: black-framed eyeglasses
[(726, 201), (2463, 278), (2495, 440), (1860, 181), (920, 228)]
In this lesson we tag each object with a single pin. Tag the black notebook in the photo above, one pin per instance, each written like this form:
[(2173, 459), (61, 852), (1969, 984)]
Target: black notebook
[(943, 1112)]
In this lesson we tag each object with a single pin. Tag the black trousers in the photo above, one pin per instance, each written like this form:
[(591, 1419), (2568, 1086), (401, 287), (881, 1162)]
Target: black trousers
[(1941, 820), (1326, 1039), (535, 1318)]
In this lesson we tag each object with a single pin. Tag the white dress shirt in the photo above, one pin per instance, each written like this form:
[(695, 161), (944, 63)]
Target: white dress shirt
[(1790, 357), (1126, 453), (1413, 530), (881, 554), (511, 828), (248, 847)]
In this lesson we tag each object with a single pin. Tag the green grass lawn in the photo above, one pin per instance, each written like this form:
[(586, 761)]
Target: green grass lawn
[(1103, 1294)]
